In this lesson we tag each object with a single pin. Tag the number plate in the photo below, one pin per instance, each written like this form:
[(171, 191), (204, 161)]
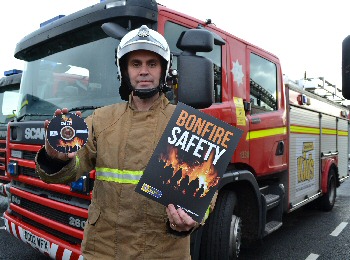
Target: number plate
[(37, 242)]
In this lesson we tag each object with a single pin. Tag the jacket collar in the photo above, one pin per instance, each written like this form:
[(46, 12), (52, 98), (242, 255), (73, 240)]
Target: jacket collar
[(161, 102)]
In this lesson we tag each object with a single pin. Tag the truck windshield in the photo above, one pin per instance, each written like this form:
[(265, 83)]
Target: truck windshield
[(8, 99), (82, 76)]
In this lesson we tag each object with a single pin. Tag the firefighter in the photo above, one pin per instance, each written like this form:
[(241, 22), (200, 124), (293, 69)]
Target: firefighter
[(122, 224)]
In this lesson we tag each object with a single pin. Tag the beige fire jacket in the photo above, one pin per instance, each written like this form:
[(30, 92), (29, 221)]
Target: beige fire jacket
[(122, 224)]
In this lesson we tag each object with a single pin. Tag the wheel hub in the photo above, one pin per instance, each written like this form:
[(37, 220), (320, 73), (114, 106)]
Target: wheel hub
[(235, 237)]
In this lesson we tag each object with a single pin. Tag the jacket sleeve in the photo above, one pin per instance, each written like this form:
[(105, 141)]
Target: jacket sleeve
[(60, 172)]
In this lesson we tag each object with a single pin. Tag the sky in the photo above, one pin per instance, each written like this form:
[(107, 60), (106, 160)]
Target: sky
[(306, 35)]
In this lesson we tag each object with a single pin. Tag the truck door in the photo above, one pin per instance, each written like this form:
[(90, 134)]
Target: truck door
[(267, 118)]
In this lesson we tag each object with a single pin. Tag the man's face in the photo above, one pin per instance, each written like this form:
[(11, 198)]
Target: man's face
[(144, 69)]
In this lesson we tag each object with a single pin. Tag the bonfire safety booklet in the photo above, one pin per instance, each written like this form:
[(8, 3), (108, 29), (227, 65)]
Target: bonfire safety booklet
[(189, 161)]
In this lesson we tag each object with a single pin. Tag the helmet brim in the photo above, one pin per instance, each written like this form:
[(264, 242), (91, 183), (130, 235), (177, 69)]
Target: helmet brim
[(146, 45)]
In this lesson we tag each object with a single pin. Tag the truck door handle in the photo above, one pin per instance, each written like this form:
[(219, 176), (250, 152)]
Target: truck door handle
[(280, 148)]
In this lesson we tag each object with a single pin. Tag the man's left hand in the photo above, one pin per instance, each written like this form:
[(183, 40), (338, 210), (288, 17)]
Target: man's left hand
[(179, 219)]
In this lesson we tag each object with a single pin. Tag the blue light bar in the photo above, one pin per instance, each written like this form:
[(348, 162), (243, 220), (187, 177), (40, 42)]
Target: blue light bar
[(11, 72), (51, 20)]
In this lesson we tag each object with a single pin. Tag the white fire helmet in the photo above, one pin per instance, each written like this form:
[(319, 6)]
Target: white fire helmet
[(144, 38)]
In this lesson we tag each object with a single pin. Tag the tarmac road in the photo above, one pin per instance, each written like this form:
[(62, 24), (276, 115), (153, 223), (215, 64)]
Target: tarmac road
[(309, 234)]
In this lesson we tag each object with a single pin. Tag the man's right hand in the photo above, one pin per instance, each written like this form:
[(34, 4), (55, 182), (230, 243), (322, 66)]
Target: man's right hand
[(49, 149)]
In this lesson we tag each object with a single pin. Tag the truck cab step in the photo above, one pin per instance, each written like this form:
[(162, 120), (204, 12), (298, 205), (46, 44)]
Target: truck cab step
[(272, 226), (272, 200)]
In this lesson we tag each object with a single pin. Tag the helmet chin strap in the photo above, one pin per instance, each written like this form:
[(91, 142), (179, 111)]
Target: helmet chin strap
[(145, 93), (142, 93)]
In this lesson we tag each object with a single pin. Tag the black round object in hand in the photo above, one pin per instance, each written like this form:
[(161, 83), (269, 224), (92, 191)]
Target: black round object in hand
[(67, 133)]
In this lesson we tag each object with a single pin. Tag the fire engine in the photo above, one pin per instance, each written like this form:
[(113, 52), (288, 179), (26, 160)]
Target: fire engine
[(291, 152), (9, 87)]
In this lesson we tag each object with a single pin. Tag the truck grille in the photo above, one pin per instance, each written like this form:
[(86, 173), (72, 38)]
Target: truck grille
[(3, 157), (50, 213), (20, 200), (27, 155), (63, 236), (28, 172)]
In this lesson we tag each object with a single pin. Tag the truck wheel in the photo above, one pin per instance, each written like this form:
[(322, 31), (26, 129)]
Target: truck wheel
[(328, 199), (221, 238)]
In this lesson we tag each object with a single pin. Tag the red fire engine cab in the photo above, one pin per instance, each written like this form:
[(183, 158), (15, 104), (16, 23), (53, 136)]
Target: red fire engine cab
[(291, 152), (9, 88)]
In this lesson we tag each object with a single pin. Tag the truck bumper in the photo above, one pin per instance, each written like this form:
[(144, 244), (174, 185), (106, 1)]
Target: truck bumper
[(45, 243)]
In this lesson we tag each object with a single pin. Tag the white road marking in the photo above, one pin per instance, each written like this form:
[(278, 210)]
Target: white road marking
[(312, 257), (339, 229)]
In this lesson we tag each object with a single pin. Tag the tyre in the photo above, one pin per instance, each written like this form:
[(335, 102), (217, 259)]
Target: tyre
[(221, 238), (327, 201)]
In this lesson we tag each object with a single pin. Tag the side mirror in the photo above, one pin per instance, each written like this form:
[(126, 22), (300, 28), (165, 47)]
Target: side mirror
[(196, 73), (346, 68)]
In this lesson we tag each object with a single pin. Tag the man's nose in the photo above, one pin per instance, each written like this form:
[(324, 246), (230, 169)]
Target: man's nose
[(144, 69)]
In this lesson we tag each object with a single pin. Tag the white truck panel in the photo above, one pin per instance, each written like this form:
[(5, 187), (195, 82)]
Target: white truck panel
[(328, 135), (304, 157), (342, 143)]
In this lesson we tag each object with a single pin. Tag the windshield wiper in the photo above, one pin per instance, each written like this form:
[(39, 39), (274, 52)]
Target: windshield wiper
[(83, 108), (24, 115)]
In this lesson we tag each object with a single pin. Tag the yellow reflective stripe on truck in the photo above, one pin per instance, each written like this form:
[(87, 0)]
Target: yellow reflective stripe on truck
[(343, 133), (317, 131), (293, 129), (119, 176), (329, 131), (304, 130), (266, 132)]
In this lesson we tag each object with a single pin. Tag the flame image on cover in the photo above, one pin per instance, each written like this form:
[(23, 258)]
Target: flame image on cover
[(189, 161), (195, 180), (67, 133)]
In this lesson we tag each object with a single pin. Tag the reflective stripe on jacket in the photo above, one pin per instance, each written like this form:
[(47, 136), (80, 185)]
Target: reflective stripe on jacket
[(120, 176)]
